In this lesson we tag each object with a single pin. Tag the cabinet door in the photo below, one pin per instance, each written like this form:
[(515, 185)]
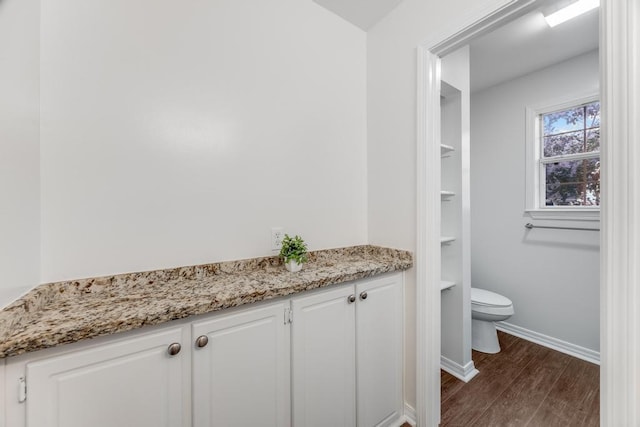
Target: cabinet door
[(379, 329), (241, 377), (133, 382), (323, 358)]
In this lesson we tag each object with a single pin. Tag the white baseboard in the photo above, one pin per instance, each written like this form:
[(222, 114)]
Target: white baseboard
[(464, 373), (550, 342), (409, 415)]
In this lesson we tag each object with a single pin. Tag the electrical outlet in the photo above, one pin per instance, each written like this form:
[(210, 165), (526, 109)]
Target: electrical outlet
[(277, 234)]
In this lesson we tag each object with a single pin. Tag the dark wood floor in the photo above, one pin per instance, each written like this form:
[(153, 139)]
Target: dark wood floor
[(523, 385)]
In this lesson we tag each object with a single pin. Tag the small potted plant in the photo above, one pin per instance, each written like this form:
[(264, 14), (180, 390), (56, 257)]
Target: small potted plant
[(293, 253)]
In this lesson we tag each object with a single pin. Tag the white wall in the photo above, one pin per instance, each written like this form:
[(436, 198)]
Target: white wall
[(180, 134), (19, 147), (391, 80), (552, 276)]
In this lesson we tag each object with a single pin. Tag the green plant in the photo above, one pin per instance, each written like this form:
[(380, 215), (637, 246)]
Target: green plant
[(293, 248)]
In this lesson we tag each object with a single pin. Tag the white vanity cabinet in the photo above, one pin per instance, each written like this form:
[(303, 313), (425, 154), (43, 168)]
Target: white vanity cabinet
[(330, 357), (379, 344), (323, 359), (131, 382), (347, 355), (241, 368)]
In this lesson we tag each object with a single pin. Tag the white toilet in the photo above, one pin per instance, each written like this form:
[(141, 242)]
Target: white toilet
[(486, 308)]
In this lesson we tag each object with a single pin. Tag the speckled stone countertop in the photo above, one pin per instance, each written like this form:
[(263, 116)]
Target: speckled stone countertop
[(66, 312)]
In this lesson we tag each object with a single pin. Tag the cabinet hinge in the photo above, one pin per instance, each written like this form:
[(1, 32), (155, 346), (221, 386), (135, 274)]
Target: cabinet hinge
[(288, 316), (22, 389)]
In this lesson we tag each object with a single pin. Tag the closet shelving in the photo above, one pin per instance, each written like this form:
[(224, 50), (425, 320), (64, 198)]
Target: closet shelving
[(445, 195), (446, 284), (449, 156), (444, 149), (455, 287)]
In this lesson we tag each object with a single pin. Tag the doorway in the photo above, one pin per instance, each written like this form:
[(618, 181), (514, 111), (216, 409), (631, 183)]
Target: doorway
[(620, 410)]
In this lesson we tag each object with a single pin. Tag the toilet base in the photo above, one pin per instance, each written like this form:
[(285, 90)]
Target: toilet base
[(484, 336)]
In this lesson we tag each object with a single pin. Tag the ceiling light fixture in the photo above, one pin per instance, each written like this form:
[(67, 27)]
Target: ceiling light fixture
[(571, 11)]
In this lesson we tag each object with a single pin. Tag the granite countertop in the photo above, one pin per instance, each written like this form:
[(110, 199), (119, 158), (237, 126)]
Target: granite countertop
[(71, 311)]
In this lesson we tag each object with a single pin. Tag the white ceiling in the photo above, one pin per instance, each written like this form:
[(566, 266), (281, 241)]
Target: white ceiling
[(362, 13), (528, 44), (522, 46)]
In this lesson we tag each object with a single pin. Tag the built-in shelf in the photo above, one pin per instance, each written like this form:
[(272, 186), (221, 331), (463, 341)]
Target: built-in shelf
[(444, 239), (444, 149), (446, 284), (446, 194)]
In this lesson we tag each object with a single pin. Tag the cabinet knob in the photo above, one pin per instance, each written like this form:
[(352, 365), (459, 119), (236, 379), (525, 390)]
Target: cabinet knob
[(363, 295), (351, 299), (174, 349), (202, 341)]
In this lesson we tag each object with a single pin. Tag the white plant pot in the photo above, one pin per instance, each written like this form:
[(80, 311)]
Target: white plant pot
[(293, 266)]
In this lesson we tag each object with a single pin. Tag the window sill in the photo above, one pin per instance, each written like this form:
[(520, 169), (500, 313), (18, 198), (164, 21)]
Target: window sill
[(564, 214)]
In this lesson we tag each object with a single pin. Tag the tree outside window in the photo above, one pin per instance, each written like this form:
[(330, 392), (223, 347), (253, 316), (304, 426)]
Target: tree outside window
[(570, 156)]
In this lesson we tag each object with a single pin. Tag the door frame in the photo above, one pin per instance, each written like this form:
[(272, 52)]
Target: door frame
[(620, 210)]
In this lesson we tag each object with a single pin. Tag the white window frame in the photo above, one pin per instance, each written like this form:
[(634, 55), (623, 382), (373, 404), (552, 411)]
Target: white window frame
[(533, 192)]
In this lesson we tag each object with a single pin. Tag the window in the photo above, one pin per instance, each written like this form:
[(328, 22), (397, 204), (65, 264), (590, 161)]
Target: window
[(563, 160), (570, 160)]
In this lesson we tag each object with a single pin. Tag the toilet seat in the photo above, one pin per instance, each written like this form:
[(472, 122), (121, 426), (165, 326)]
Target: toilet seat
[(482, 297), (490, 303)]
